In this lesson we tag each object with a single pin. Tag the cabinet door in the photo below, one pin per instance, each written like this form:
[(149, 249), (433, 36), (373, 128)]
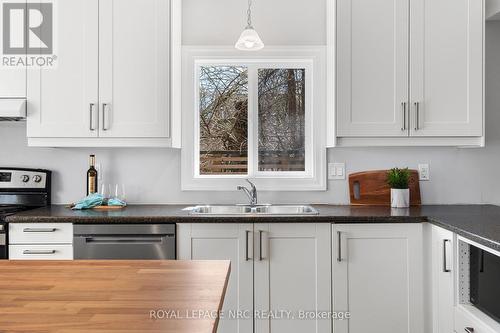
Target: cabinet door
[(224, 242), (447, 43), (12, 82), (377, 278), (292, 274), (372, 67), (134, 68), (442, 249), (62, 101)]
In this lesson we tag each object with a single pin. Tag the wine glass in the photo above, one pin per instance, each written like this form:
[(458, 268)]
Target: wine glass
[(120, 192), (104, 190)]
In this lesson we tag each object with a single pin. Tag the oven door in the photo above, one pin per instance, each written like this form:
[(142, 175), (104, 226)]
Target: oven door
[(484, 281)]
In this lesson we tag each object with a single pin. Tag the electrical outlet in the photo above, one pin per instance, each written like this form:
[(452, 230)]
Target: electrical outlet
[(336, 171), (424, 173)]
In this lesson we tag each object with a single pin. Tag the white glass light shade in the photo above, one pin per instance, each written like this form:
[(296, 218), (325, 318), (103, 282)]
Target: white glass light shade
[(249, 41)]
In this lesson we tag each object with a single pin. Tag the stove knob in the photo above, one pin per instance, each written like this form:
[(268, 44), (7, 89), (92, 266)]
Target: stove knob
[(25, 178), (37, 179)]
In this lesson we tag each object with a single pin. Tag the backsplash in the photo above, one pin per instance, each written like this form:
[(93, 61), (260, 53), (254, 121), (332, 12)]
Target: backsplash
[(153, 175)]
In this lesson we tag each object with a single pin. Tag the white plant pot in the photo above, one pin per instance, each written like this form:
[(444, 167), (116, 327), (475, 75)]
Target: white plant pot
[(400, 198)]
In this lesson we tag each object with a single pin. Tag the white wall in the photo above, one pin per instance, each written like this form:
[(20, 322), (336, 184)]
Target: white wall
[(153, 175)]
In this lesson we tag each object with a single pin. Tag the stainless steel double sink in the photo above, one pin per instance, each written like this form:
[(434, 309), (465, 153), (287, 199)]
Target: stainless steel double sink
[(285, 210)]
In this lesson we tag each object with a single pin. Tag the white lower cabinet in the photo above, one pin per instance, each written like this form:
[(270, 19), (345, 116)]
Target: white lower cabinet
[(41, 252), (292, 274), (286, 268), (442, 277), (224, 242), (40, 241), (378, 278)]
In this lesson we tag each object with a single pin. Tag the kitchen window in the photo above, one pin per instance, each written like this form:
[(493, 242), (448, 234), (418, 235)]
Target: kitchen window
[(253, 118), (277, 118)]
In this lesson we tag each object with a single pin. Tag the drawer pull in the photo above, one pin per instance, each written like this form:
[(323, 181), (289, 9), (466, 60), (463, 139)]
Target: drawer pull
[(39, 252), (39, 229)]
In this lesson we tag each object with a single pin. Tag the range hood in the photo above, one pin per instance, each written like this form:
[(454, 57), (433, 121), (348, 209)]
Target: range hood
[(12, 109)]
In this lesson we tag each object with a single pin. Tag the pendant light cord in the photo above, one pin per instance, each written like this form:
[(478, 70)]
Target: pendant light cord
[(249, 15)]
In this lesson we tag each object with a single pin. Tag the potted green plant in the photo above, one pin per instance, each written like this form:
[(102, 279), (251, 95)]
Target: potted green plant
[(398, 180)]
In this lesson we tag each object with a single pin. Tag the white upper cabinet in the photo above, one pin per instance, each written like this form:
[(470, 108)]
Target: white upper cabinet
[(447, 68), (113, 82), (63, 101), (409, 72), (134, 68), (372, 70)]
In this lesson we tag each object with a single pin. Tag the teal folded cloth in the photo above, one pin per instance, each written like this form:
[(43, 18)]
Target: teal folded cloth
[(91, 201), (116, 202)]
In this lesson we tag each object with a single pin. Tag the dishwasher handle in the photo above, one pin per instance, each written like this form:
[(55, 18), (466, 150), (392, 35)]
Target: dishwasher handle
[(123, 239)]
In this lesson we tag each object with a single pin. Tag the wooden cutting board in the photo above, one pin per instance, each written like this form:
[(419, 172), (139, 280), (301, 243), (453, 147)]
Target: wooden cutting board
[(370, 188)]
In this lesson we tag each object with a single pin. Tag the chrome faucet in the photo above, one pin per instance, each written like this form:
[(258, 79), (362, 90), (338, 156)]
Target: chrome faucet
[(251, 194)]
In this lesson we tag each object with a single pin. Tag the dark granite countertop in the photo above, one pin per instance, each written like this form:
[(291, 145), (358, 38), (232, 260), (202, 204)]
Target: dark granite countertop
[(480, 223)]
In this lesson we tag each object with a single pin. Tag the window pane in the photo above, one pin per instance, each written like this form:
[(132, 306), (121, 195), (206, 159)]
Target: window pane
[(223, 120), (281, 119)]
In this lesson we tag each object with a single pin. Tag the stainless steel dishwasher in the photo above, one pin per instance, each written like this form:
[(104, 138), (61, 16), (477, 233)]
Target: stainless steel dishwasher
[(124, 241)]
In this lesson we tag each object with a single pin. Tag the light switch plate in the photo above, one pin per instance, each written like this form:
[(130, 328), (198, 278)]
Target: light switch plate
[(336, 171), (424, 173)]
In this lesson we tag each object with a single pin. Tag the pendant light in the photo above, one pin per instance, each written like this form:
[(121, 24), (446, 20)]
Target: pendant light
[(249, 39)]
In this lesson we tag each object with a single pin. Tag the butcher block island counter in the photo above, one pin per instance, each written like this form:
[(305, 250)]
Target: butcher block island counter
[(112, 296)]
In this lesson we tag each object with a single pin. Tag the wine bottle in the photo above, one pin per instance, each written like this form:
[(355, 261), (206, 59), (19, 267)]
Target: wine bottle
[(92, 177)]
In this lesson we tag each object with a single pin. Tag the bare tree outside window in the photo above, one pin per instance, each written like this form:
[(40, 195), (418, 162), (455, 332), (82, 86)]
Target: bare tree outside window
[(223, 120), (281, 120)]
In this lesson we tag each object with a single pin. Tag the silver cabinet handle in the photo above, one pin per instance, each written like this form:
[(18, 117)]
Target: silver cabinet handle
[(445, 254), (39, 229), (105, 116), (469, 329), (417, 116), (260, 245), (91, 110), (39, 252), (339, 249), (403, 124), (247, 233)]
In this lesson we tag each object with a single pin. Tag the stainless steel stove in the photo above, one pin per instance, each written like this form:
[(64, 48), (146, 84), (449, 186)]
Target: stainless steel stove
[(21, 190)]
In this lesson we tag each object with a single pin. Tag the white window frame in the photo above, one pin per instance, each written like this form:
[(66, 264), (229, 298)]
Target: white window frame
[(311, 59)]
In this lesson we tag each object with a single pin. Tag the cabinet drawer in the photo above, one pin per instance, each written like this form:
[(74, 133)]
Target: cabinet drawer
[(40, 233), (40, 252), (466, 319)]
